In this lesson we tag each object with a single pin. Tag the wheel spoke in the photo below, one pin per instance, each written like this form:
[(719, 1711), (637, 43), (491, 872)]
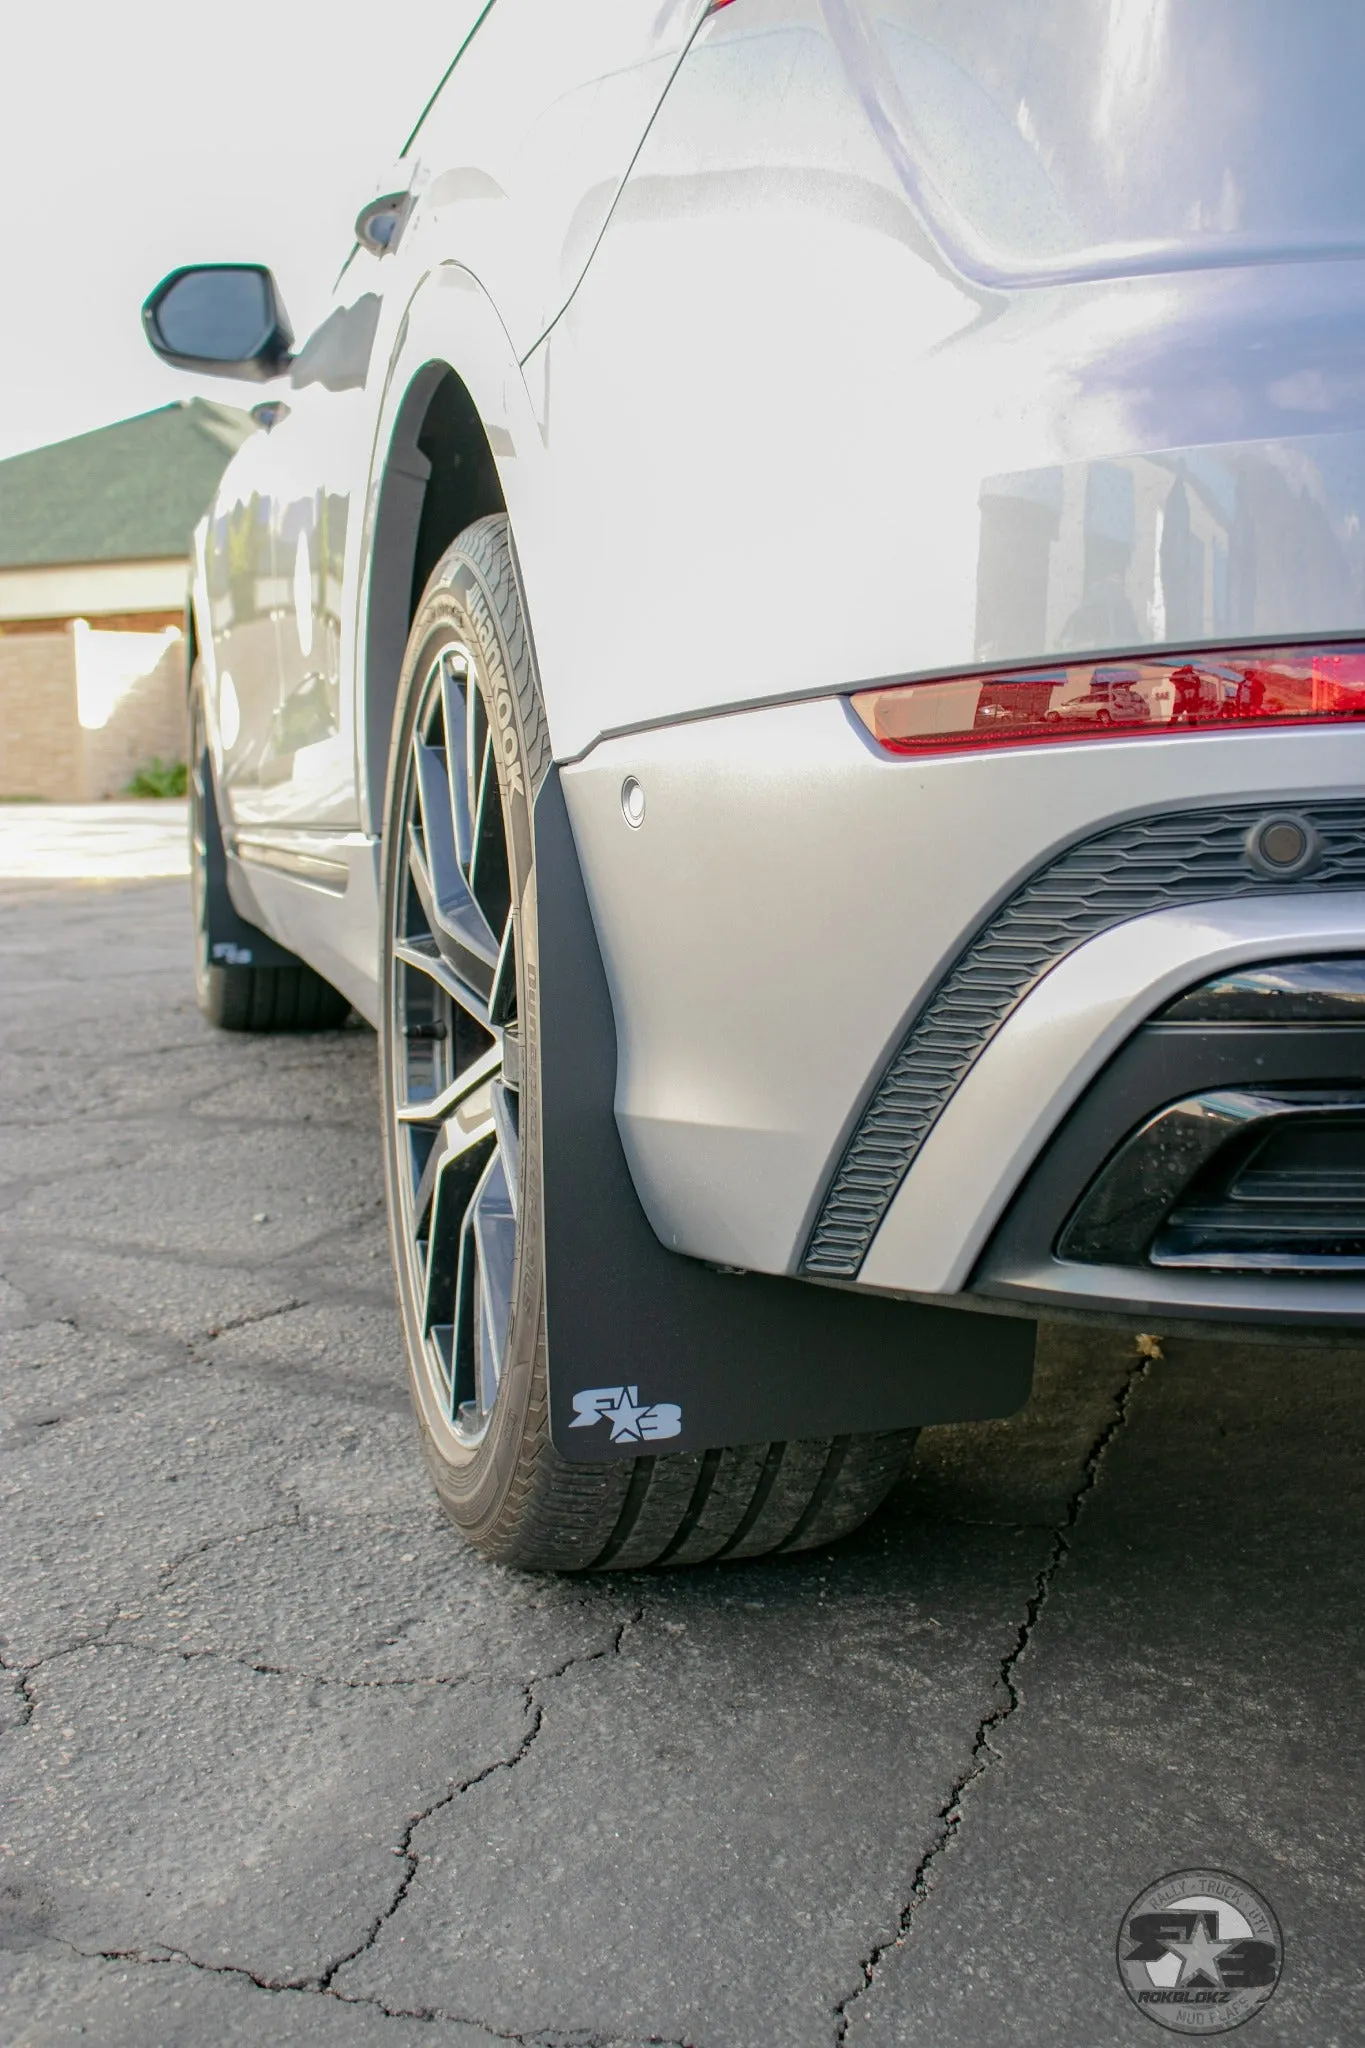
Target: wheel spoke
[(472, 1125), (475, 735), (503, 1105), (456, 922), (495, 1235), (456, 1082), (502, 996), (488, 872), (469, 1126), (464, 1343), (453, 718), (484, 787), (457, 1175), (425, 955), (438, 1107)]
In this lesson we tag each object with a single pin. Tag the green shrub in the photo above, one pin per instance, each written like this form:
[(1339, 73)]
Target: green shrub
[(158, 778)]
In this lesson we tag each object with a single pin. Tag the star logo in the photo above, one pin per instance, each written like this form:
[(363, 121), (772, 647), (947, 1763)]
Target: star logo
[(632, 1420), (1199, 1957), (1199, 1951), (626, 1414)]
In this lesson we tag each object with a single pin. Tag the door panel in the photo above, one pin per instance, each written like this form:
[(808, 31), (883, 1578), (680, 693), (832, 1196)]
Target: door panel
[(239, 574), (318, 453)]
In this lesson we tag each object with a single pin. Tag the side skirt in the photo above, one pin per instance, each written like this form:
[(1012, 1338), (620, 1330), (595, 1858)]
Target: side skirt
[(650, 1349), (233, 941), (320, 893)]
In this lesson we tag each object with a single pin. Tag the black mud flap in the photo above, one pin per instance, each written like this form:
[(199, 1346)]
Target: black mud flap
[(651, 1350), (231, 941)]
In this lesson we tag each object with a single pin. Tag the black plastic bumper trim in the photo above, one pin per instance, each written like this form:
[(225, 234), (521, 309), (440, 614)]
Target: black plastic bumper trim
[(1161, 1066), (1126, 871)]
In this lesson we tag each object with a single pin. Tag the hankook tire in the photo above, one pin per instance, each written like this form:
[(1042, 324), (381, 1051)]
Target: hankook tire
[(461, 1086)]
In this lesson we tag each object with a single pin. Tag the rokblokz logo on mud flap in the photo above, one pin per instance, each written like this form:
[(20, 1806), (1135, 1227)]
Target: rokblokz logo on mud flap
[(1199, 1951), (632, 1420)]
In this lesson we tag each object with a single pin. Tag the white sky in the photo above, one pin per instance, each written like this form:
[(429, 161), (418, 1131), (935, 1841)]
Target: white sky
[(139, 134)]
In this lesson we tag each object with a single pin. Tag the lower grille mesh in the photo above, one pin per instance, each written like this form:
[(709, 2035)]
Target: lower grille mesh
[(1128, 871)]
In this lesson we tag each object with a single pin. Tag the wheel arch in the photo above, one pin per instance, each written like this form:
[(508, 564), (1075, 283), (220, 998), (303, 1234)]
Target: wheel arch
[(454, 431)]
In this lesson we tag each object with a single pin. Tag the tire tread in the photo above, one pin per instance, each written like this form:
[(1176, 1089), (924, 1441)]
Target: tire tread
[(669, 1509), (273, 999)]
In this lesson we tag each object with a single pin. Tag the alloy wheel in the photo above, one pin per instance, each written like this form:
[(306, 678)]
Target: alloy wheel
[(455, 1062)]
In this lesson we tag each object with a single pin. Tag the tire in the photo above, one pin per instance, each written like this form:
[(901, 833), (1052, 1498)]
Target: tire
[(459, 1060), (281, 998)]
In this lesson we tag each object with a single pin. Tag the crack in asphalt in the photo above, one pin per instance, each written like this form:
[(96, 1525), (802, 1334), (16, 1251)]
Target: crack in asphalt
[(984, 1754), (254, 1316), (175, 1652), (177, 1958), (102, 1637), (307, 1375), (196, 1259), (27, 1703), (290, 1517), (161, 1958), (172, 1353), (324, 1985), (99, 1638), (536, 1723)]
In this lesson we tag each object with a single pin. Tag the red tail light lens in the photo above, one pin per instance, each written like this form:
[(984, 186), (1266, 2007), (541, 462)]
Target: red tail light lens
[(1146, 697)]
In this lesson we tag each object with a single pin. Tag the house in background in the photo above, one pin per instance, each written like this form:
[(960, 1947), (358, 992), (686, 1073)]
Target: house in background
[(94, 549)]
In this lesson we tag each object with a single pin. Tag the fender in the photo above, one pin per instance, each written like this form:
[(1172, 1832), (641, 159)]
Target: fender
[(449, 325)]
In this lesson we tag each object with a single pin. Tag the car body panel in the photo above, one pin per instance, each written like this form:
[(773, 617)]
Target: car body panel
[(794, 894), (238, 616), (523, 150), (772, 363), (319, 454), (557, 103), (819, 343)]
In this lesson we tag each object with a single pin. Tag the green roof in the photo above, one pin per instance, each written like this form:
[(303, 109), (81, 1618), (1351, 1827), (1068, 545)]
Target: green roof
[(126, 493)]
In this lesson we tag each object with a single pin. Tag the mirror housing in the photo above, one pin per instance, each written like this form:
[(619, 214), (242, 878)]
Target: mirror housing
[(381, 220), (222, 319), (379, 224)]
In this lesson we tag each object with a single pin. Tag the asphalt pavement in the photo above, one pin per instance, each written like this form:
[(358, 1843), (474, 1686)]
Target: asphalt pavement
[(282, 1760)]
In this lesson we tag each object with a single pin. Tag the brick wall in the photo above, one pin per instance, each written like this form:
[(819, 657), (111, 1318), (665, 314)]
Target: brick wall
[(147, 723), (41, 743), (46, 676)]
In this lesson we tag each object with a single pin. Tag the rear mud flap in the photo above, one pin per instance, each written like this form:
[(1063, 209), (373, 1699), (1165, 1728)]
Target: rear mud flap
[(652, 1350)]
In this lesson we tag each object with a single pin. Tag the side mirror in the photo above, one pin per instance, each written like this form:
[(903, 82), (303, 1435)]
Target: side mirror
[(223, 318)]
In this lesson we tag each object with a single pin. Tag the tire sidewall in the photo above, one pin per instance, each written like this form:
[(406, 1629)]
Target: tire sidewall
[(457, 609)]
